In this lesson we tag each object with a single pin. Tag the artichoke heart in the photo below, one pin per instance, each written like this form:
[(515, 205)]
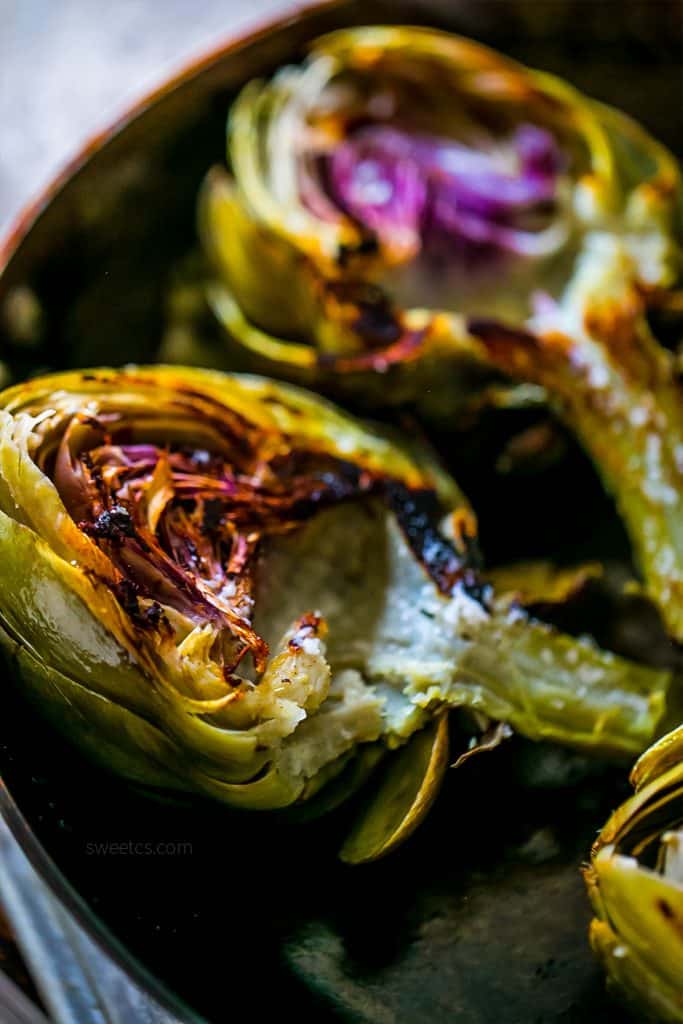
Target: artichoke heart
[(224, 585), (635, 881)]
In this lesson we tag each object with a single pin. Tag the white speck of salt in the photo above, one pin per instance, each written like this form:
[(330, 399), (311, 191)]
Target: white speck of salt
[(311, 645)]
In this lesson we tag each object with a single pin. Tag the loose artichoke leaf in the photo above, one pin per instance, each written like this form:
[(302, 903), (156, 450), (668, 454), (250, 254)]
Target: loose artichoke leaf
[(490, 739), (403, 796)]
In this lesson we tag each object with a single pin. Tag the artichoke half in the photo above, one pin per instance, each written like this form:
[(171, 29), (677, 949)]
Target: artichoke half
[(379, 194), (403, 180), (224, 585), (635, 881), (410, 216)]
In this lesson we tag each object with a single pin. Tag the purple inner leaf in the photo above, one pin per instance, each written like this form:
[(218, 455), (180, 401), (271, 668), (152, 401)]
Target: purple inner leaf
[(416, 190)]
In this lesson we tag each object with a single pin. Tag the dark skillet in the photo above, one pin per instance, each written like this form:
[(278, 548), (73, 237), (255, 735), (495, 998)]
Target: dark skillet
[(482, 916)]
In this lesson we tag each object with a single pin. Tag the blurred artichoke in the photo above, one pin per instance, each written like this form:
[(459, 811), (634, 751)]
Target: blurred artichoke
[(224, 585), (635, 882), (378, 193), (410, 214), (403, 180)]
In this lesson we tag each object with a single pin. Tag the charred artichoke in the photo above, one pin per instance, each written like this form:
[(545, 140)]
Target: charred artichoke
[(636, 885), (224, 585), (410, 203)]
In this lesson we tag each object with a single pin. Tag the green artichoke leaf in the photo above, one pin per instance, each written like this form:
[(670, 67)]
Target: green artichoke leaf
[(635, 881), (223, 585), (237, 244), (107, 731), (403, 798)]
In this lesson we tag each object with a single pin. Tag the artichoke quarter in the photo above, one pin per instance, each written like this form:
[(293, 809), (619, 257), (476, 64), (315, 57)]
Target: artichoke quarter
[(410, 216), (636, 885), (223, 585)]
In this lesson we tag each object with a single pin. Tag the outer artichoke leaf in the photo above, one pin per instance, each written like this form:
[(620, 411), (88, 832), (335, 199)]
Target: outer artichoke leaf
[(403, 796), (437, 366), (128, 745), (41, 604), (113, 736), (47, 606), (268, 350), (239, 249), (81, 712)]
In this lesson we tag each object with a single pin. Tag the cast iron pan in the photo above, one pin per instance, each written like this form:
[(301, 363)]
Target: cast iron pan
[(482, 916)]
